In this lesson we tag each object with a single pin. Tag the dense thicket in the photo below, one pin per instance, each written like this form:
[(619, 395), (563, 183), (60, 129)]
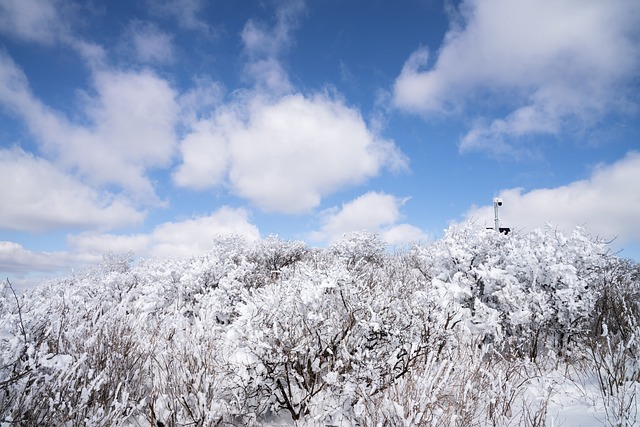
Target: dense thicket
[(454, 332)]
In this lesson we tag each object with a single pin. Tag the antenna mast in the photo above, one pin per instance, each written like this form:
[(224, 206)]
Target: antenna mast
[(496, 203)]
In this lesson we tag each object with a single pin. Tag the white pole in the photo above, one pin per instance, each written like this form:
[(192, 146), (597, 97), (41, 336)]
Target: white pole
[(497, 202)]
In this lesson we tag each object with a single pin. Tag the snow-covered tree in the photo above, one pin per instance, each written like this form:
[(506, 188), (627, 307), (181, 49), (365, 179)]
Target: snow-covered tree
[(458, 331)]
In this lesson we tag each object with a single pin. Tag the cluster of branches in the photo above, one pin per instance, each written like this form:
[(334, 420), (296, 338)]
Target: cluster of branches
[(453, 332)]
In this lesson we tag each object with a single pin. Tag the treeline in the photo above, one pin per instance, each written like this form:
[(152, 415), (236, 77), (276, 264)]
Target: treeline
[(456, 332)]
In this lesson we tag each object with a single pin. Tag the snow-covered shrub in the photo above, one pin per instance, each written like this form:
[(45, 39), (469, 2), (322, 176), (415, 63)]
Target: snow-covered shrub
[(187, 379), (338, 326), (529, 293), (473, 387), (358, 248), (273, 255), (454, 332), (617, 310), (72, 357), (301, 335), (615, 340)]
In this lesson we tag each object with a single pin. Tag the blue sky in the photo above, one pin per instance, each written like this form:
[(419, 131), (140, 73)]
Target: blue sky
[(153, 126)]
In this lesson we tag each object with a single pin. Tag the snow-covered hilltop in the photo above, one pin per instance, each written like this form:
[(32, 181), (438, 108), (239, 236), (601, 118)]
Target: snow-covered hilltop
[(475, 329)]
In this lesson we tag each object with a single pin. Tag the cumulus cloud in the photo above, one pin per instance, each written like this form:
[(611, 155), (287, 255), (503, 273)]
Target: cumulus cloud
[(607, 204), (204, 157), (171, 239), (556, 65), (134, 118), (131, 126), (375, 212), (284, 155), (38, 197), (280, 149)]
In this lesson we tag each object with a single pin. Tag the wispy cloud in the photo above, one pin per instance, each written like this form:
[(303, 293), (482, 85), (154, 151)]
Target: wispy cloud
[(49, 23), (261, 40), (187, 14), (148, 43), (264, 45), (33, 20)]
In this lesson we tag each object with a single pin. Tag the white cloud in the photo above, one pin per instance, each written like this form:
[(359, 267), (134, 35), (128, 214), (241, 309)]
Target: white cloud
[(187, 13), (297, 150), (554, 64), (402, 234), (269, 76), (263, 45), (27, 269), (38, 197), (260, 40), (18, 261), (130, 130), (150, 44), (204, 157), (135, 116), (607, 204), (284, 155), (282, 150), (49, 22), (171, 239), (375, 212), (199, 101), (31, 20)]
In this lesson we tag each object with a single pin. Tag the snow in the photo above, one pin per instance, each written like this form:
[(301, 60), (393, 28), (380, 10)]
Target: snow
[(478, 328)]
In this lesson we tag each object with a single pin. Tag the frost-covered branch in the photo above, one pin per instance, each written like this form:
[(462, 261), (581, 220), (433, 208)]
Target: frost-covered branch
[(455, 332)]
